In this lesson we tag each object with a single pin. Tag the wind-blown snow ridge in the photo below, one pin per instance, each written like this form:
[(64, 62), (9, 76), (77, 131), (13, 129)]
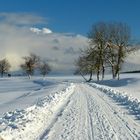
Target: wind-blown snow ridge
[(27, 124), (131, 102)]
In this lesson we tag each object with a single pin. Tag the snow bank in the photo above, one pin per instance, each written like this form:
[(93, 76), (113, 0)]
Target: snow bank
[(123, 98), (27, 124)]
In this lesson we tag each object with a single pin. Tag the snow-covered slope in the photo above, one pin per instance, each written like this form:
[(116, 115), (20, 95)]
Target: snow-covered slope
[(29, 123), (20, 93)]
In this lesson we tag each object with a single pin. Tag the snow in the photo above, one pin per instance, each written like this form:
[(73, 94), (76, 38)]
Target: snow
[(90, 116), (17, 124), (129, 83), (21, 92), (66, 108), (125, 99)]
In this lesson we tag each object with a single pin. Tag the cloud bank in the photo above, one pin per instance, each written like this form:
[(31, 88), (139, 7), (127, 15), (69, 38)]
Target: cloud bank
[(21, 19), (20, 35)]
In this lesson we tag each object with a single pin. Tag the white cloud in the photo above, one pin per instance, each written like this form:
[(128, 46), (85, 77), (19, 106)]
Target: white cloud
[(17, 41), (21, 19), (46, 31), (60, 49), (40, 31), (35, 30)]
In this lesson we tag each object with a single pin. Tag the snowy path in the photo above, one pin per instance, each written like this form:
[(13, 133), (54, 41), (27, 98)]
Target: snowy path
[(91, 115), (78, 112)]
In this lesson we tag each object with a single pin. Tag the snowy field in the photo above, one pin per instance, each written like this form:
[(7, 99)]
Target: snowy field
[(129, 83), (66, 108)]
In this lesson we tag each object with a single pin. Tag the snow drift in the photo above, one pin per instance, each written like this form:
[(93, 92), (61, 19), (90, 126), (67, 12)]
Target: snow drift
[(27, 123), (132, 103)]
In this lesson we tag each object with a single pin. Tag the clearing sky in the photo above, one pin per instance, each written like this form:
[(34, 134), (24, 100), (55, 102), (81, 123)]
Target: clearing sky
[(77, 16), (57, 29)]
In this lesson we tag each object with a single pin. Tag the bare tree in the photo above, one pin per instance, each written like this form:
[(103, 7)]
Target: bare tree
[(97, 39), (31, 62), (110, 40), (87, 64), (111, 57), (4, 66), (44, 68), (84, 68), (119, 38), (108, 48)]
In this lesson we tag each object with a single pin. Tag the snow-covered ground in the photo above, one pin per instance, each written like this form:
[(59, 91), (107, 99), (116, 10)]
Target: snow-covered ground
[(65, 108), (19, 93), (129, 83)]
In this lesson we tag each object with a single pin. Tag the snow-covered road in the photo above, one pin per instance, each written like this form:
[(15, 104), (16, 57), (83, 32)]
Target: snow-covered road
[(91, 115), (80, 112)]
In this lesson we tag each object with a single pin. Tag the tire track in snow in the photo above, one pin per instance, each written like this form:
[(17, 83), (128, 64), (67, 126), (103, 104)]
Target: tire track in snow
[(111, 113), (71, 124), (79, 120), (89, 116), (99, 126)]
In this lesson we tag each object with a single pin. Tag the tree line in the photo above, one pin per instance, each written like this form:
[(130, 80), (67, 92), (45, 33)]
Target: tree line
[(109, 45), (31, 63)]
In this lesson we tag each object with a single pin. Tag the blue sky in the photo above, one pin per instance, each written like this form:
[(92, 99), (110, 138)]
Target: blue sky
[(77, 16), (44, 27)]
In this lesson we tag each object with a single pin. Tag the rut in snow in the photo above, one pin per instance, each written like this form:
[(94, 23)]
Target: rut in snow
[(89, 116)]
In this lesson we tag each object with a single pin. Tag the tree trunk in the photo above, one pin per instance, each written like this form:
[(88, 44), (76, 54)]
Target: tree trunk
[(2, 74), (118, 75), (119, 62), (90, 78), (83, 77), (113, 72), (103, 72), (98, 78)]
